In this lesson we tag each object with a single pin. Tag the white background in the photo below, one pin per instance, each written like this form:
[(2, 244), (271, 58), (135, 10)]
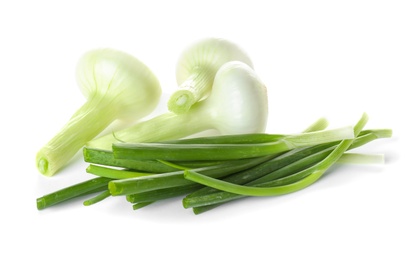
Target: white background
[(333, 59)]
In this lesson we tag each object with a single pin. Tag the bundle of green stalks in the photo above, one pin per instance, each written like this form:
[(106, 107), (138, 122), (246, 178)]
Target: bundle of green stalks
[(207, 172)]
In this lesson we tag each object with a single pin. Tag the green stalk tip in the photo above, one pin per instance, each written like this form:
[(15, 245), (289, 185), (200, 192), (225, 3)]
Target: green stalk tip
[(40, 203), (105, 194), (141, 205), (114, 189)]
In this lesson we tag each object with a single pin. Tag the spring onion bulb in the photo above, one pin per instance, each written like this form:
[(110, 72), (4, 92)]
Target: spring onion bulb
[(117, 86), (196, 68), (236, 105)]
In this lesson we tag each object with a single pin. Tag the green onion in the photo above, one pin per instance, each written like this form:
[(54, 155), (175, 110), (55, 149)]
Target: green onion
[(188, 152), (84, 188)]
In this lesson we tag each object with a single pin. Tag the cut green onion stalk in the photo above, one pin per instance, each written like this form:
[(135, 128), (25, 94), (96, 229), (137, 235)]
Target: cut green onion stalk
[(94, 185), (105, 157), (189, 152), (117, 86), (236, 105), (196, 68)]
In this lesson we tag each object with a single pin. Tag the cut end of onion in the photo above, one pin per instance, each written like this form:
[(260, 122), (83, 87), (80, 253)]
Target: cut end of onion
[(181, 101)]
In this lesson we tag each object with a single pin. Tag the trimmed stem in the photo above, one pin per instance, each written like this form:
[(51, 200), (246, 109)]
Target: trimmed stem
[(91, 119), (195, 88)]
